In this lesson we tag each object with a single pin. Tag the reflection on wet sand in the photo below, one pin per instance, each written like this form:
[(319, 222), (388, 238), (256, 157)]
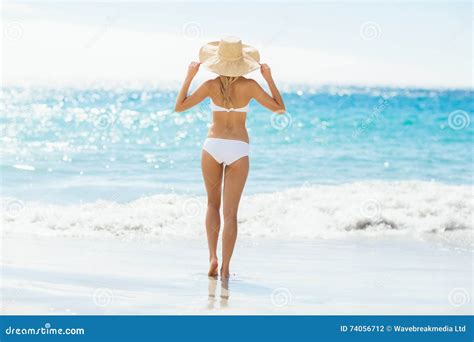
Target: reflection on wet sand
[(224, 292), (224, 296)]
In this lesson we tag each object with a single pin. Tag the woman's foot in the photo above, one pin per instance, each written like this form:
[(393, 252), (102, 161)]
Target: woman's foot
[(225, 273), (213, 265)]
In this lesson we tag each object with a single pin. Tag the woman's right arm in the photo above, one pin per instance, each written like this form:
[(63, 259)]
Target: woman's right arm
[(183, 101), (275, 102)]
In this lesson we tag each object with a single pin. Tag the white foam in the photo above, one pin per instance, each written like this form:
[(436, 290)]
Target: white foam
[(24, 167), (417, 210)]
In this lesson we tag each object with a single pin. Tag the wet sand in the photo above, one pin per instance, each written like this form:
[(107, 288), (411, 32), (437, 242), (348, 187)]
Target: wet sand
[(80, 276)]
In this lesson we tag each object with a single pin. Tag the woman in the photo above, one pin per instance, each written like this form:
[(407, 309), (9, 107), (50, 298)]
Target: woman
[(225, 153)]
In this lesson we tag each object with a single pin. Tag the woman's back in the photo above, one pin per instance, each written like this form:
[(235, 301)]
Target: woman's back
[(226, 95)]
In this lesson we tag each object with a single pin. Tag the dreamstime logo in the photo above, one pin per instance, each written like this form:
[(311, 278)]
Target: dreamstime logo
[(192, 30), (13, 31), (459, 119), (370, 30), (281, 121), (374, 116), (204, 111), (459, 297), (103, 121), (192, 207), (370, 209), (103, 297), (281, 297), (204, 107), (115, 196), (14, 208)]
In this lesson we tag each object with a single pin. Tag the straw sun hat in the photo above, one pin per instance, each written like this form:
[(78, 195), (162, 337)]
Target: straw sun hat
[(229, 57)]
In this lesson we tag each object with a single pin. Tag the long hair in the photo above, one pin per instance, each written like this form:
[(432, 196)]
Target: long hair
[(225, 83)]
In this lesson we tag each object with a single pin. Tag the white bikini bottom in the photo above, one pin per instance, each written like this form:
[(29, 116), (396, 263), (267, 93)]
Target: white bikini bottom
[(225, 150)]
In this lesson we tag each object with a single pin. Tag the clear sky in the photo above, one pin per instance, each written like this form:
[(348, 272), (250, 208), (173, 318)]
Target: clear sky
[(426, 44)]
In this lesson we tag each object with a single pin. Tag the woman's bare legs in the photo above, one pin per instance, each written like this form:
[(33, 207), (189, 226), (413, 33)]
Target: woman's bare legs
[(235, 176), (212, 174)]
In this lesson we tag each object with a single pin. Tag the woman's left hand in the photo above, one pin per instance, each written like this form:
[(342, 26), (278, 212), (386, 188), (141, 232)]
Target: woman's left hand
[(193, 69)]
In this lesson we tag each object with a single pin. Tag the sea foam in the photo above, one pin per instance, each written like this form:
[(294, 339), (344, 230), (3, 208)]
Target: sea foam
[(417, 210)]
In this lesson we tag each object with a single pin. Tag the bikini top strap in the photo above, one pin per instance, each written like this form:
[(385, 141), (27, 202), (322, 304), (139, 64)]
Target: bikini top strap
[(216, 108)]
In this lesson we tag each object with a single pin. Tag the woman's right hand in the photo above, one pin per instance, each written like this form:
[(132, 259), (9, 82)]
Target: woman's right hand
[(266, 71), (193, 69)]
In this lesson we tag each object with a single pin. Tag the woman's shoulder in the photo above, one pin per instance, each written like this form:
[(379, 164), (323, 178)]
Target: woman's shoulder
[(247, 80), (212, 83), (246, 83)]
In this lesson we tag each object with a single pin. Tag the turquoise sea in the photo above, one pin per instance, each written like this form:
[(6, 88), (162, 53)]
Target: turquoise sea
[(119, 159), (73, 145)]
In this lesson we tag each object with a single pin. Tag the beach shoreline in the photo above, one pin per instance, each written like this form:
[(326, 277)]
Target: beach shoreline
[(58, 275)]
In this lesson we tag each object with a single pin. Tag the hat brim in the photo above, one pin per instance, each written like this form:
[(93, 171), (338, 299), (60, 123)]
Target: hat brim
[(210, 59)]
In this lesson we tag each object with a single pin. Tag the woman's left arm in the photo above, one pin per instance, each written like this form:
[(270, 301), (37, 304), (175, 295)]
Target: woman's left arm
[(183, 101)]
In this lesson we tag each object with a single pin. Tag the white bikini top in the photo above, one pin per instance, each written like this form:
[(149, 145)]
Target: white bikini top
[(216, 108)]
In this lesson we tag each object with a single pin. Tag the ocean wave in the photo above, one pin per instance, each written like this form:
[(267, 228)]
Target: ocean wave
[(418, 210)]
